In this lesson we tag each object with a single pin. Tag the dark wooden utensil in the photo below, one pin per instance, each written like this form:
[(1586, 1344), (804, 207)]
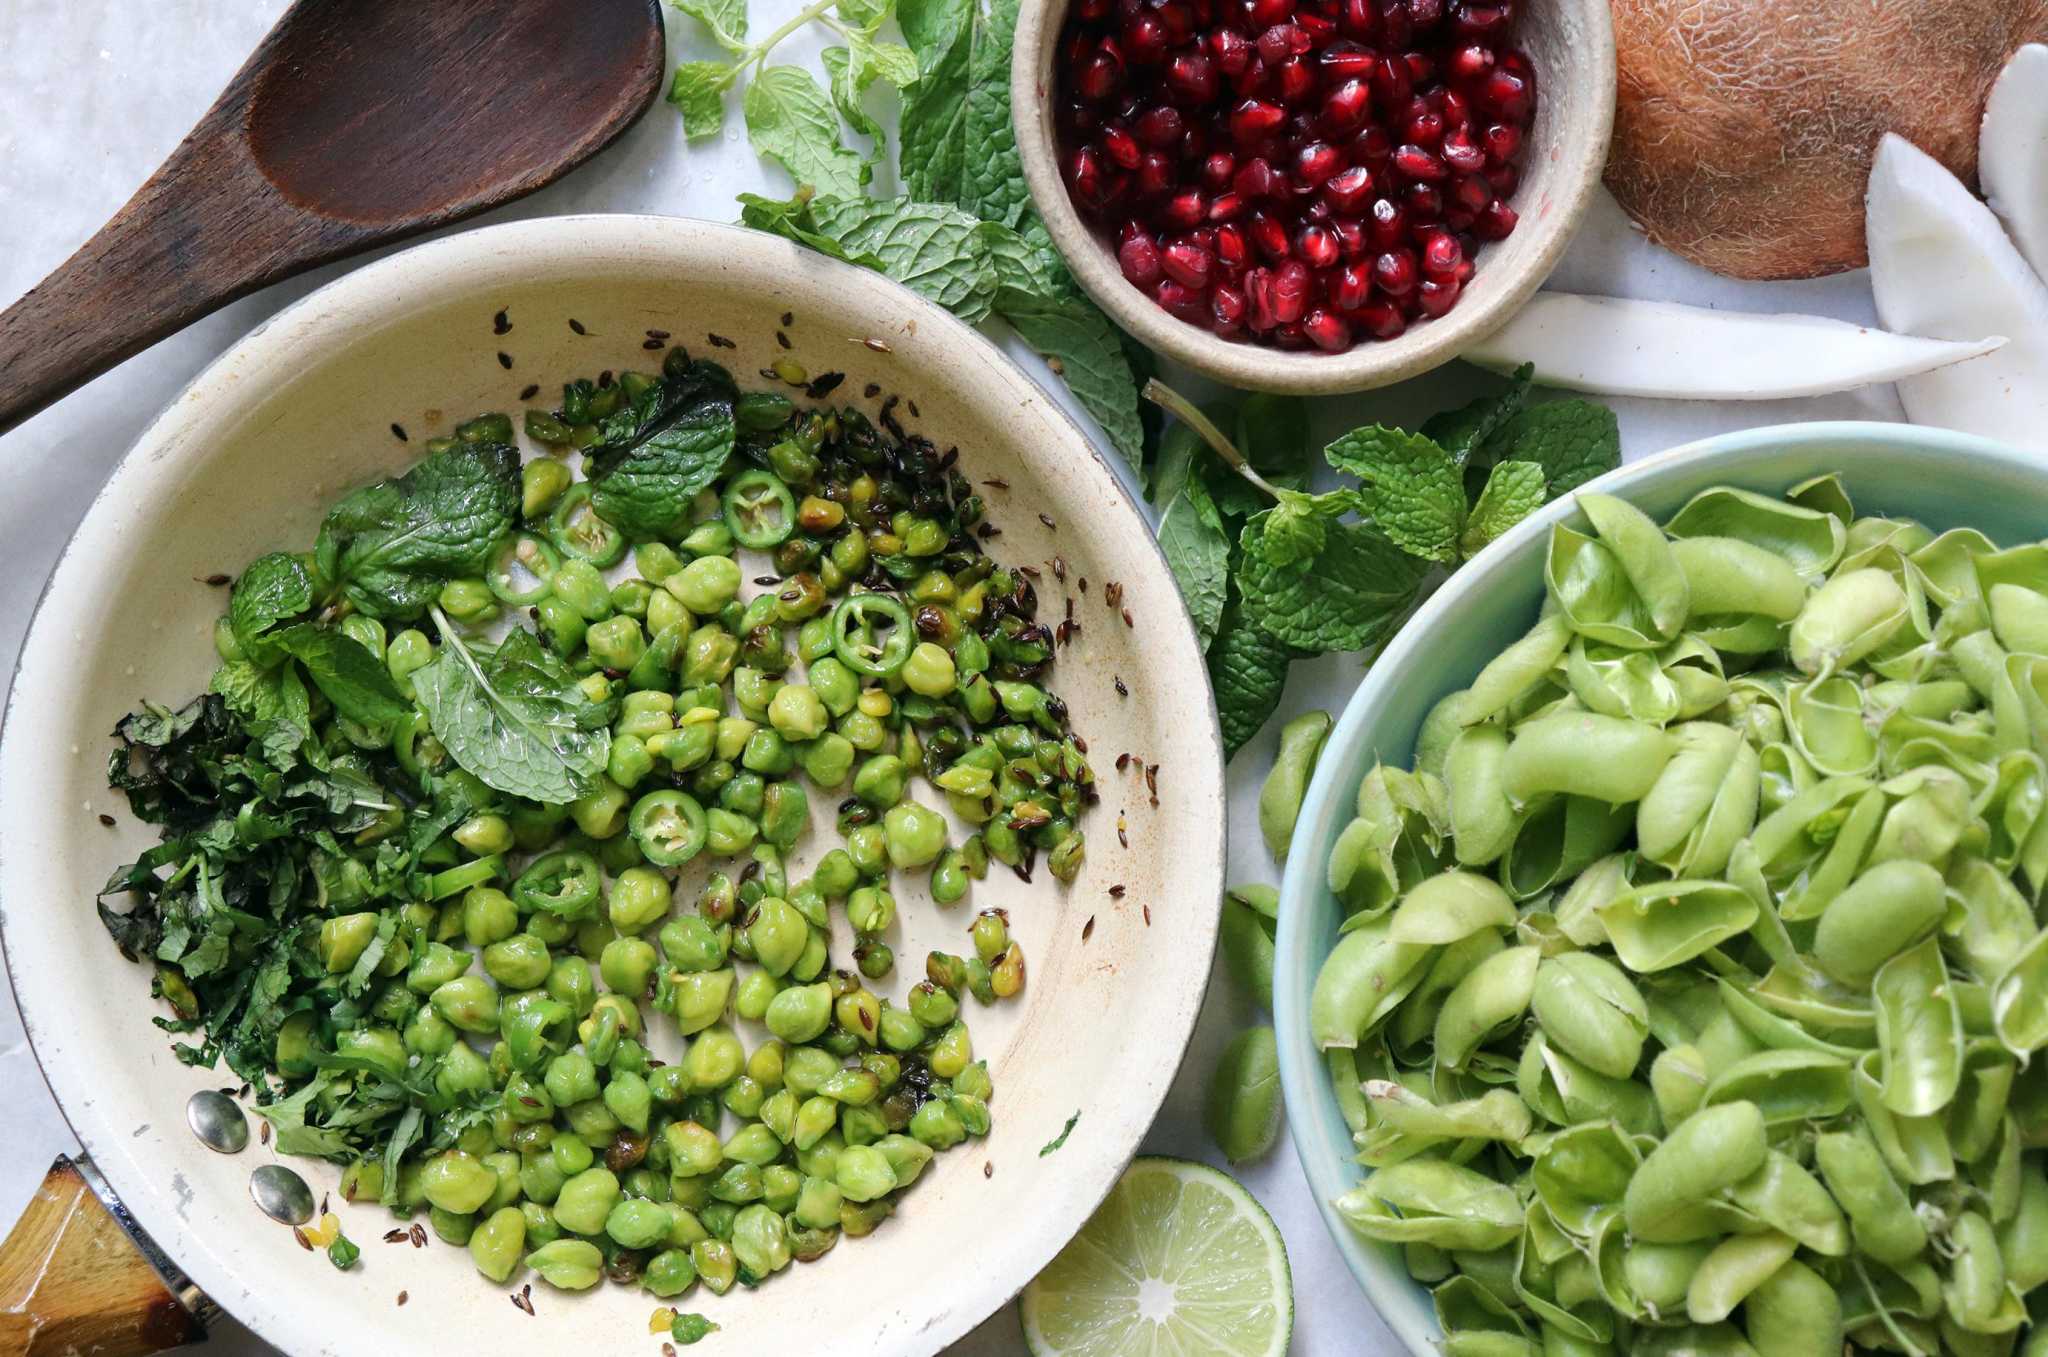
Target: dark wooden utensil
[(355, 123)]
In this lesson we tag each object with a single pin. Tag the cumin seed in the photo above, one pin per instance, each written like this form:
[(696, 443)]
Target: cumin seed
[(577, 326), (988, 1168), (1116, 892), (1121, 690), (719, 341), (654, 344), (789, 317), (1088, 929), (106, 820), (504, 360), (398, 432), (782, 340), (501, 324), (304, 1242), (879, 346), (996, 483), (529, 391), (402, 1297), (657, 334), (1047, 520), (1148, 916), (871, 390), (216, 580)]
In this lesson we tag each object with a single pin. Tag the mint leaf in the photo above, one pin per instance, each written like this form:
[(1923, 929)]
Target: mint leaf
[(933, 128), (934, 250), (1248, 671), (354, 680), (1462, 431), (1413, 491), (1197, 550), (273, 589), (865, 15), (271, 704), (791, 121), (1572, 440), (792, 221), (654, 457), (1513, 492), (992, 172), (727, 20), (515, 717), (391, 546), (1083, 348), (1347, 597), (698, 93), (848, 73), (1297, 526)]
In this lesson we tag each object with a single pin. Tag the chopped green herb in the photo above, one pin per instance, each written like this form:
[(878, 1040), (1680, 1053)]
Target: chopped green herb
[(1061, 1139)]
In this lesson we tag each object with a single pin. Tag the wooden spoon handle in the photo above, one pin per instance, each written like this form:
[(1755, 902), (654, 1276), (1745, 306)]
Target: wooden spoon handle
[(73, 1279)]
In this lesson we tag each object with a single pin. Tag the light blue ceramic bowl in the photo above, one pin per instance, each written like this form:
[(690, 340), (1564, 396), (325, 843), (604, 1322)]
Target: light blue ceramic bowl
[(1945, 480)]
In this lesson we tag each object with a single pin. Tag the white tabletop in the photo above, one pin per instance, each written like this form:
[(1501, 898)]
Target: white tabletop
[(93, 94)]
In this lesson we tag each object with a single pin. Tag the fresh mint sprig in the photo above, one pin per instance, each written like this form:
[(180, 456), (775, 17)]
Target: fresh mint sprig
[(1307, 573)]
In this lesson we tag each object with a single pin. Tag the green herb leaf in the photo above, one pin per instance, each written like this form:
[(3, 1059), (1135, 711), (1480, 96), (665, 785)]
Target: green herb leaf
[(1462, 431), (936, 251), (514, 717), (698, 93), (656, 456), (1061, 1139), (1572, 440), (1297, 526), (391, 546), (992, 172), (727, 20), (1197, 550), (1086, 351), (354, 680), (791, 219), (1413, 491), (791, 121), (865, 15), (1248, 670), (272, 705), (273, 589), (1348, 597), (933, 128), (342, 1252), (1513, 491)]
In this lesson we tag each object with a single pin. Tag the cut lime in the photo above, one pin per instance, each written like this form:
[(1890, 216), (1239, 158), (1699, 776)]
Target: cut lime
[(1178, 1259)]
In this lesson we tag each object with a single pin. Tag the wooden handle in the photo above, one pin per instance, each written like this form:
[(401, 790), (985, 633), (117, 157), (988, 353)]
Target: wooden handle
[(73, 1281)]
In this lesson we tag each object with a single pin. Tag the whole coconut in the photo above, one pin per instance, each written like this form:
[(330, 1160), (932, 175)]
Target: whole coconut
[(1744, 129)]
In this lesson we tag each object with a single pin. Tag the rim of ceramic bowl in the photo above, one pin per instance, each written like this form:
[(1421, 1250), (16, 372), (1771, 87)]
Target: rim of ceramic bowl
[(1590, 82), (1322, 1140), (402, 278)]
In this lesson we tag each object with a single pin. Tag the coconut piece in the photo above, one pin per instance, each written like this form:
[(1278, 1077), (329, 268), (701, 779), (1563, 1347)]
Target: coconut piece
[(2012, 152), (1618, 347), (1942, 266), (1743, 129)]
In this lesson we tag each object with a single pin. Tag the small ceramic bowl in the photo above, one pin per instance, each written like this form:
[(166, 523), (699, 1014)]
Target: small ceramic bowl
[(1943, 479), (1572, 44), (245, 461)]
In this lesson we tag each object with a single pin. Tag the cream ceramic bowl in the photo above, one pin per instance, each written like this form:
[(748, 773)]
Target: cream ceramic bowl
[(1572, 44), (244, 461)]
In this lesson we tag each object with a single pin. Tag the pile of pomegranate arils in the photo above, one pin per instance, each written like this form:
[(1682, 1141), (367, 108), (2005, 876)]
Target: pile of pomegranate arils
[(1295, 172)]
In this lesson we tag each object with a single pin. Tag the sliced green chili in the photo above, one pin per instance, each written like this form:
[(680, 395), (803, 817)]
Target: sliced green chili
[(759, 509), (854, 640)]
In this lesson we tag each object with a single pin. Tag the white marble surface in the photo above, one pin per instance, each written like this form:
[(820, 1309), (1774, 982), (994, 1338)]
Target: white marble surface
[(93, 94)]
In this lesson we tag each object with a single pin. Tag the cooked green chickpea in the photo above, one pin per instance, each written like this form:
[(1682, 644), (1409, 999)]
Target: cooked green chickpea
[(929, 670), (518, 962), (797, 713), (706, 584), (914, 835)]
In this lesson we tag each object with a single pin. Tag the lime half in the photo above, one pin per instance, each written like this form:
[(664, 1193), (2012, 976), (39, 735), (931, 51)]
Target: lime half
[(1179, 1259)]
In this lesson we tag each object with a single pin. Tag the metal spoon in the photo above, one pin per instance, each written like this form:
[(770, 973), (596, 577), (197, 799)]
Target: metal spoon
[(354, 124)]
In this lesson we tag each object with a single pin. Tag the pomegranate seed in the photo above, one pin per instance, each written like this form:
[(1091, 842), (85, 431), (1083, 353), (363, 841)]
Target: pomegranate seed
[(1351, 239), (1348, 189), (1421, 67), (1231, 248), (1184, 303), (1459, 218), (1319, 27), (1256, 178), (1289, 336), (1479, 22), (1155, 174), (1232, 50), (1419, 164), (1187, 263), (1389, 224), (1280, 42), (1121, 148), (1255, 118), (1394, 272), (1472, 192), (1226, 307), (1346, 60), (1268, 236), (1462, 153), (1496, 222), (1139, 258), (1349, 288), (1327, 331), (1191, 77), (1225, 207), (1442, 254), (1266, 13), (1315, 162), (1391, 83), (1505, 179), (1295, 80), (1346, 107), (1178, 20), (1470, 63), (1382, 318), (1502, 140), (1397, 29), (1218, 170), (1093, 10), (1437, 296), (1290, 291), (1359, 19), (1145, 40), (1317, 245), (1160, 126), (1185, 209), (1425, 202), (1455, 107), (1085, 176), (1101, 75), (1426, 13), (1506, 95), (1373, 148), (1426, 129), (1258, 297), (1194, 146)]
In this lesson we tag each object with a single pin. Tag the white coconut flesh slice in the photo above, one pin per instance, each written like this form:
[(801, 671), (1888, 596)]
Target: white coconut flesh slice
[(2012, 152)]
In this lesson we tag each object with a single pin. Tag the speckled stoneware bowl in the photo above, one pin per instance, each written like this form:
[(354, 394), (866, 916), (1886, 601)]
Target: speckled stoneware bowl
[(244, 461), (1944, 479), (1572, 44)]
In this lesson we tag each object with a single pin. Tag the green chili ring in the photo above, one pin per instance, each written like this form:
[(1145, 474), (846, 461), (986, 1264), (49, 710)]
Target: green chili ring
[(563, 883), (533, 555), (577, 529), (759, 509), (852, 633), (669, 827)]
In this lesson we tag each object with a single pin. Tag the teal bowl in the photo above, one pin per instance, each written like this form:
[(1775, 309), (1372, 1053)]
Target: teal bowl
[(1944, 480)]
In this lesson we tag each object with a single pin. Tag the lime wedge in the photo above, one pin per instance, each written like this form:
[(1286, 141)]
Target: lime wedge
[(1178, 1259)]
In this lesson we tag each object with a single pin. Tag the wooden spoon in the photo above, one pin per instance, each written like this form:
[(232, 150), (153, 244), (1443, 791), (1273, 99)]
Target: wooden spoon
[(355, 123)]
